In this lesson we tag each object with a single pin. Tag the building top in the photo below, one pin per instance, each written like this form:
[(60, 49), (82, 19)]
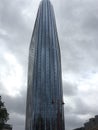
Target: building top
[(92, 124), (81, 128)]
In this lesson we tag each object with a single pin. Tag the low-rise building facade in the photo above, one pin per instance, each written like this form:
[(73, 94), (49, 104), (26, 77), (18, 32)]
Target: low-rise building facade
[(92, 124)]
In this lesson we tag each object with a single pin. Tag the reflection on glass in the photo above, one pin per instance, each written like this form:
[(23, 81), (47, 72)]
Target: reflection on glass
[(45, 106)]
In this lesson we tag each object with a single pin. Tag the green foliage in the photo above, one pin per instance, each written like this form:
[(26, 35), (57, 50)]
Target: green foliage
[(4, 116)]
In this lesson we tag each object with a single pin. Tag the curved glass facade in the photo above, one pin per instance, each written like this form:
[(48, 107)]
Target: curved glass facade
[(45, 110)]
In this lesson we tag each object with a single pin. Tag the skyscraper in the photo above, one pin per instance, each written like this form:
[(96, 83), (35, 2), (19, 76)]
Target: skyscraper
[(45, 106)]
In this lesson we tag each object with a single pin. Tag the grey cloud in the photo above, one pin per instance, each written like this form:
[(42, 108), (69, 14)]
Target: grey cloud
[(69, 89), (76, 115), (76, 22), (73, 113), (72, 121), (13, 22), (81, 108), (16, 104), (91, 23), (16, 108), (11, 18), (1, 88), (17, 121), (67, 109)]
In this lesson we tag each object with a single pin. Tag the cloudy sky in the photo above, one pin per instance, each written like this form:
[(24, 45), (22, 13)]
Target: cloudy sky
[(77, 24)]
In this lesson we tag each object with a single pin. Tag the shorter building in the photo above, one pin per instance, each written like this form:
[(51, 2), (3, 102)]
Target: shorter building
[(7, 127), (81, 128), (92, 124)]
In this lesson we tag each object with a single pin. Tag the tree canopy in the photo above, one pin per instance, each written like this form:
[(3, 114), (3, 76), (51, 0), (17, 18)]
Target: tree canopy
[(4, 116)]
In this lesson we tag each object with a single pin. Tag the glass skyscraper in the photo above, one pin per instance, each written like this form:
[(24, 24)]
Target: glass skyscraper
[(45, 106)]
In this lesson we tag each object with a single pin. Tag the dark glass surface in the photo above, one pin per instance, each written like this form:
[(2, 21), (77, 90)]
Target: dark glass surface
[(45, 109)]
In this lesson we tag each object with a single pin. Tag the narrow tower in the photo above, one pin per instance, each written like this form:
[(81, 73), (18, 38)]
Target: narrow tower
[(45, 107)]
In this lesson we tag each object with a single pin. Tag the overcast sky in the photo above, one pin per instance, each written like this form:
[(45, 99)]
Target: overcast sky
[(77, 24)]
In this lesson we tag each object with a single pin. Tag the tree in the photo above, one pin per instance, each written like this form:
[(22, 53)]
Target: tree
[(4, 116)]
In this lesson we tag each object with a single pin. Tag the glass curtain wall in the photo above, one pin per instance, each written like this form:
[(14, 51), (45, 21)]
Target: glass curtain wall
[(45, 110)]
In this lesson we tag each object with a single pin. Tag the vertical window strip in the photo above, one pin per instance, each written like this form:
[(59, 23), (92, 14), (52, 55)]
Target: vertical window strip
[(45, 62), (53, 45), (50, 101), (35, 74)]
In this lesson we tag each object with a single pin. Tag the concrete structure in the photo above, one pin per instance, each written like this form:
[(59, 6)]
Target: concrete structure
[(92, 124), (45, 106)]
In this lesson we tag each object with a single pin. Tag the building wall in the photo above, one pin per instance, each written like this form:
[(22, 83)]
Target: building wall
[(45, 106), (92, 124)]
